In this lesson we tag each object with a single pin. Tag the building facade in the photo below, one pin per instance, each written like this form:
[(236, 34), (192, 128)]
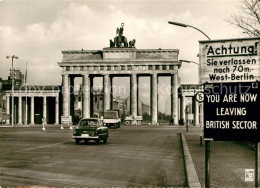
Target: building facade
[(32, 104), (119, 62)]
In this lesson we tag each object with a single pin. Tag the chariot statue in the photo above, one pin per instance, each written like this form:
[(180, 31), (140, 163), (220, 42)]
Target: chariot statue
[(120, 40)]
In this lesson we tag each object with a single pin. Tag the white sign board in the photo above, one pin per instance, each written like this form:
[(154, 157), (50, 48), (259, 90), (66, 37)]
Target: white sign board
[(230, 60), (199, 96), (249, 174), (65, 119)]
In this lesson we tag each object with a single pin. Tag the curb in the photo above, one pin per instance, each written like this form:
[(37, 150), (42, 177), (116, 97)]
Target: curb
[(191, 174)]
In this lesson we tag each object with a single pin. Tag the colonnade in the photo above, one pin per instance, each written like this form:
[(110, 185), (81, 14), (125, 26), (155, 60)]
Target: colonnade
[(87, 81), (24, 113)]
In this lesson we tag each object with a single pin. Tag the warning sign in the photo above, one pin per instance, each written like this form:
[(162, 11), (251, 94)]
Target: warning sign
[(231, 111), (230, 60), (65, 119)]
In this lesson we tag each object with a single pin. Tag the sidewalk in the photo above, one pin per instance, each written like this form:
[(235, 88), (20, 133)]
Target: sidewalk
[(228, 160), (36, 125)]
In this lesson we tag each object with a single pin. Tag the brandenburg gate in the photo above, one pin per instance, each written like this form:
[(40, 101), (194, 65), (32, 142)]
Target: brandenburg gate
[(119, 60)]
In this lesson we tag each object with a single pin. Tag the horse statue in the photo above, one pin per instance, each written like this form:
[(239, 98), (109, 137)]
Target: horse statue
[(132, 43), (112, 44)]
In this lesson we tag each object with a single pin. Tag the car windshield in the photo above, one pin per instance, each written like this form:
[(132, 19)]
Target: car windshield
[(90, 123), (110, 115)]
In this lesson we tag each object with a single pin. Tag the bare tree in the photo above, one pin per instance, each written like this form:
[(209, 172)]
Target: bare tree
[(247, 18)]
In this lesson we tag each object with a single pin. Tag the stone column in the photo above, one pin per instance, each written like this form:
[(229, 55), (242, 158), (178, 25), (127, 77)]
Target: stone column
[(65, 87), (32, 111), (56, 111), (20, 110), (139, 104), (72, 98), (133, 96), (86, 96), (183, 108), (26, 111), (106, 85), (174, 97), (111, 92), (44, 108), (91, 80), (196, 113), (8, 108), (154, 94)]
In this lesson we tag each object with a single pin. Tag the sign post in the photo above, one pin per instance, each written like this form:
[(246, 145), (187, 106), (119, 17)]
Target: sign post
[(257, 161), (200, 98), (207, 160), (230, 72), (66, 120), (187, 118)]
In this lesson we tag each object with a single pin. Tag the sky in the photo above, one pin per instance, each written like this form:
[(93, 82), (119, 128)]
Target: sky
[(37, 31)]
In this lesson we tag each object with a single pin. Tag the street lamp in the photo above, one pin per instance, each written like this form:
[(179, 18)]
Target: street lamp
[(207, 142), (187, 61), (185, 25), (12, 74)]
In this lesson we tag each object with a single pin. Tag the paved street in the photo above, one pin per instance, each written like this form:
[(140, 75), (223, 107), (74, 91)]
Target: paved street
[(133, 156)]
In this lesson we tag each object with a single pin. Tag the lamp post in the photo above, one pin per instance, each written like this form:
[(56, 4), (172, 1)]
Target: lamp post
[(201, 106), (186, 61), (207, 142), (12, 74), (185, 25)]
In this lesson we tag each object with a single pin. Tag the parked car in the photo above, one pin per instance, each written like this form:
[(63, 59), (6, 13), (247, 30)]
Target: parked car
[(129, 120), (90, 129)]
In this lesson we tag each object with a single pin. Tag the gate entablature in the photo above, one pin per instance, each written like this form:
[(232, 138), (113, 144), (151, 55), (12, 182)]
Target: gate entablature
[(119, 53), (120, 61), (120, 68)]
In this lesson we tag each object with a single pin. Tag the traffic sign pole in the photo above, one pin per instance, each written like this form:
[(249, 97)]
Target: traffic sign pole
[(257, 161), (200, 98), (187, 122), (207, 160), (201, 123)]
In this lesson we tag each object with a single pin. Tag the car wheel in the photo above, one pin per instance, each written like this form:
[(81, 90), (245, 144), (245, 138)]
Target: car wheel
[(118, 125), (77, 141), (139, 122), (127, 122)]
